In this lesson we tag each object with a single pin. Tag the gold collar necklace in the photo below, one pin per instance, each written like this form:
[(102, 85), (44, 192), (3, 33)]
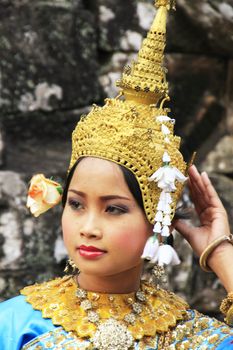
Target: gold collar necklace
[(117, 317), (110, 321)]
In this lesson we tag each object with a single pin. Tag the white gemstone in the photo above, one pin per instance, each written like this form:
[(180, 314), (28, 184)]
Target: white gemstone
[(137, 308), (130, 318), (80, 293), (93, 316), (112, 335), (86, 305), (141, 295)]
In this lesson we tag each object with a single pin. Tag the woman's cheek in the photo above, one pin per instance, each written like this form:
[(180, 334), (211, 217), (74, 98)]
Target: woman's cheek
[(66, 230), (128, 241)]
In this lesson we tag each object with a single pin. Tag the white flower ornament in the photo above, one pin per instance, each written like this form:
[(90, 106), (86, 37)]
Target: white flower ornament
[(151, 250), (167, 255), (164, 129), (165, 177), (160, 254)]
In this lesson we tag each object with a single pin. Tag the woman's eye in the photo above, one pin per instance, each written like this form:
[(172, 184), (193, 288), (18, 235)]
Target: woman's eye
[(112, 209), (74, 204)]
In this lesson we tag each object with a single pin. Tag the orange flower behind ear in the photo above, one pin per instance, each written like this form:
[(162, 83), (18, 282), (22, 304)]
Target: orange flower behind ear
[(43, 194)]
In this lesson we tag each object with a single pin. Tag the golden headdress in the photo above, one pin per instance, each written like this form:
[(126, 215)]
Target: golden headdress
[(133, 129)]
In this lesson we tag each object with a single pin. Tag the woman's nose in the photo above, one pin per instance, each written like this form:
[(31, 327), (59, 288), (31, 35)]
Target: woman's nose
[(91, 228)]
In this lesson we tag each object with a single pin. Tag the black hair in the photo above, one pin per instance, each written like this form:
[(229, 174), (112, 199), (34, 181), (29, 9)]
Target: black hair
[(129, 177)]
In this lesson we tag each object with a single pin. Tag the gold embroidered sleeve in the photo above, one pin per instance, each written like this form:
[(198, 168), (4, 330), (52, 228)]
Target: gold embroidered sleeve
[(201, 332)]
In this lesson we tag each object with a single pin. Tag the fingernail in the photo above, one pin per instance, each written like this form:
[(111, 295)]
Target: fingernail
[(204, 173)]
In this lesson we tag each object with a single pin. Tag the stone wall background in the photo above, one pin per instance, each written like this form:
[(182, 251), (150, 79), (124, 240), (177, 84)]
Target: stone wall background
[(59, 57)]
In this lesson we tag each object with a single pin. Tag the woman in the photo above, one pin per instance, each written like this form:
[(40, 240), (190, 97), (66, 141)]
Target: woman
[(125, 178), (105, 231)]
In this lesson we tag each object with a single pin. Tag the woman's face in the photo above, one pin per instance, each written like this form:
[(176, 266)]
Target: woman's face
[(104, 229)]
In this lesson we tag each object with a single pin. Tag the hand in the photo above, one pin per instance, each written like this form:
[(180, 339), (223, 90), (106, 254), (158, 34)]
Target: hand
[(213, 224), (212, 215)]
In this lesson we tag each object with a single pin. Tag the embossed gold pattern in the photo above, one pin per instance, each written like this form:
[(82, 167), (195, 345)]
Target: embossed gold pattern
[(226, 308), (57, 300), (198, 332)]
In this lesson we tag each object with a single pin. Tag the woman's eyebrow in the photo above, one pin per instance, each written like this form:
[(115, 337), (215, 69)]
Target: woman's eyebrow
[(109, 197), (104, 198), (82, 194)]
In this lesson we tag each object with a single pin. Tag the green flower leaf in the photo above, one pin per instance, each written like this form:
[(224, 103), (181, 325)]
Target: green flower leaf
[(59, 190)]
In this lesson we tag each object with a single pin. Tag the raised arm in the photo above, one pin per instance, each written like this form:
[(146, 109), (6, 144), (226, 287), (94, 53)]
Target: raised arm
[(213, 225)]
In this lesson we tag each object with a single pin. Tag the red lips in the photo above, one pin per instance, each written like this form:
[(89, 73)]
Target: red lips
[(90, 252), (90, 249)]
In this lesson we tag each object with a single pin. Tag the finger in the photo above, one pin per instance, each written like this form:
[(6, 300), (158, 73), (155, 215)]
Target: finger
[(202, 191), (195, 192), (193, 172), (195, 177), (198, 184), (198, 205), (212, 194), (197, 197), (206, 210)]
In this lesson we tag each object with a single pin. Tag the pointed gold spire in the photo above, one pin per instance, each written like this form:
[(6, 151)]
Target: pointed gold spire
[(145, 81), (166, 3)]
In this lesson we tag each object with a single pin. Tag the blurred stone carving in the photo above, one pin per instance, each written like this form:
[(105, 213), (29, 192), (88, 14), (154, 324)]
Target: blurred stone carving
[(41, 100), (220, 159)]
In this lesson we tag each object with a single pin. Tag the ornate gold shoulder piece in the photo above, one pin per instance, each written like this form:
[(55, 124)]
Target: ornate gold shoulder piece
[(145, 313)]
